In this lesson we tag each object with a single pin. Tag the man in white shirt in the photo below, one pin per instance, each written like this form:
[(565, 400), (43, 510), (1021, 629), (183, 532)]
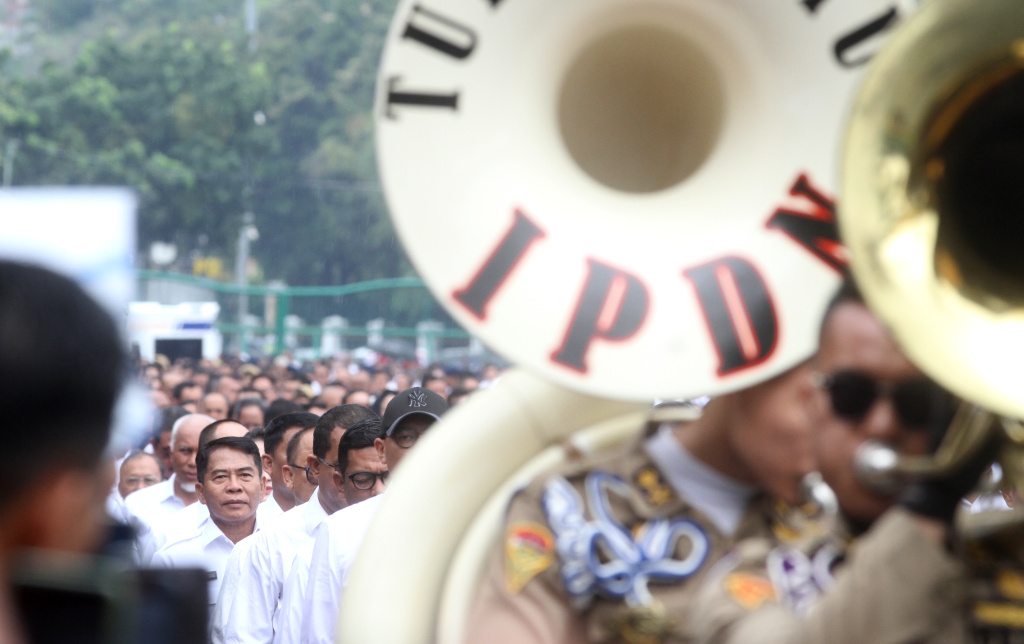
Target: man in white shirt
[(256, 573), (146, 507), (300, 448), (184, 522), (138, 470), (275, 447), (408, 416), (360, 476), (230, 484)]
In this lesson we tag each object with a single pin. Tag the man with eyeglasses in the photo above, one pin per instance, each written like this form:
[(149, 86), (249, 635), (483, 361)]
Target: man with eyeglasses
[(138, 470), (151, 505), (360, 476), (883, 572), (275, 445), (295, 472), (408, 416), (248, 610)]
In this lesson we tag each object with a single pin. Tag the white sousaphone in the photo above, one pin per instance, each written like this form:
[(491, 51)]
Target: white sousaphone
[(631, 199)]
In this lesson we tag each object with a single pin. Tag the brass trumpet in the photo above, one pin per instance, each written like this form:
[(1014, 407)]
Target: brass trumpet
[(932, 193), (933, 181)]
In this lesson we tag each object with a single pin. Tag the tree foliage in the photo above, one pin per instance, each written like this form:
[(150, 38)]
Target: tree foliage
[(173, 98)]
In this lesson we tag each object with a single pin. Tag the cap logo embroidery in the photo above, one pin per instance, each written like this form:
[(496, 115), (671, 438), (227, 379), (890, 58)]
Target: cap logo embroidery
[(418, 399)]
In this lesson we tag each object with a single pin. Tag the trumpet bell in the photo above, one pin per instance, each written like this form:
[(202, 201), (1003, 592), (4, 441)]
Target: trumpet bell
[(933, 191)]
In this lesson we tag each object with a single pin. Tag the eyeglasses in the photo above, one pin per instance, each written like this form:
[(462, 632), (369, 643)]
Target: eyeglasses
[(309, 472), (304, 469), (366, 480), (137, 480), (919, 403)]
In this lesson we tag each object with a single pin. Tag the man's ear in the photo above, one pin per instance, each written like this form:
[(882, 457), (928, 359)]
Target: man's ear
[(287, 474), (379, 444), (200, 493), (268, 462), (313, 463), (264, 482)]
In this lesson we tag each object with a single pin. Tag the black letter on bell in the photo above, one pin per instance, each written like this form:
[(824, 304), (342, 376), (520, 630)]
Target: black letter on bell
[(499, 265), (738, 310), (857, 36), (449, 30), (612, 307), (815, 230)]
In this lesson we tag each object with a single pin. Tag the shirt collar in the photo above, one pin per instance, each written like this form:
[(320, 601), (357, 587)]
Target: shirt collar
[(169, 491), (210, 532), (313, 513)]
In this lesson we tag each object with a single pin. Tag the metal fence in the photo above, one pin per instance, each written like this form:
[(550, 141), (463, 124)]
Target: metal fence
[(395, 316)]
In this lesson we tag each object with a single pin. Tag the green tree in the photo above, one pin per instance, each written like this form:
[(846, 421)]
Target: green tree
[(167, 96)]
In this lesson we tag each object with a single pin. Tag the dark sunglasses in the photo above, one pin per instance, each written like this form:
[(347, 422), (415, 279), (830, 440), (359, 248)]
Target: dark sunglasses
[(919, 403)]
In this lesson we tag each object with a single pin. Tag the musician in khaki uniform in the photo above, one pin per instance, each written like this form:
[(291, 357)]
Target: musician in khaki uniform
[(611, 550), (897, 582)]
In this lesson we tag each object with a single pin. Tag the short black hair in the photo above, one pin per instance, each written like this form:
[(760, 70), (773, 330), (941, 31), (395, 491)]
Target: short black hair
[(180, 387), (207, 434), (241, 444), (280, 407), (258, 433), (264, 374), (293, 445), (352, 392), (277, 428), (358, 436), (847, 293), (55, 340), (431, 377), (343, 416), (164, 419), (236, 410)]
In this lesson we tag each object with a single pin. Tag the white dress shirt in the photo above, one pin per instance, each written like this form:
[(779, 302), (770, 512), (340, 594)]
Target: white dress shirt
[(258, 572), (149, 505), (185, 522), (115, 506), (207, 548), (272, 502), (288, 622), (337, 542)]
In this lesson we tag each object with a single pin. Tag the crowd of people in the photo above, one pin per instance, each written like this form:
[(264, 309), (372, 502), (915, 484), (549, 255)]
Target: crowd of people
[(266, 477), (252, 473)]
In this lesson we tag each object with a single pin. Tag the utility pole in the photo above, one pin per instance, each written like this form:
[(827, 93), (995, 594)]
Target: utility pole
[(10, 149), (252, 23), (246, 235)]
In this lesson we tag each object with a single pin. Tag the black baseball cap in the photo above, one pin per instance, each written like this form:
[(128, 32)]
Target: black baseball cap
[(412, 401)]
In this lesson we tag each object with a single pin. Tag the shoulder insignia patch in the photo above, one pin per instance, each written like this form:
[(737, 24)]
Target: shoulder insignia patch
[(652, 483), (1010, 584), (529, 551), (749, 591)]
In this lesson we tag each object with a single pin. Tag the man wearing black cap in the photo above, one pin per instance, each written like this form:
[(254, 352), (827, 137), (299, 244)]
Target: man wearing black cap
[(408, 416)]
